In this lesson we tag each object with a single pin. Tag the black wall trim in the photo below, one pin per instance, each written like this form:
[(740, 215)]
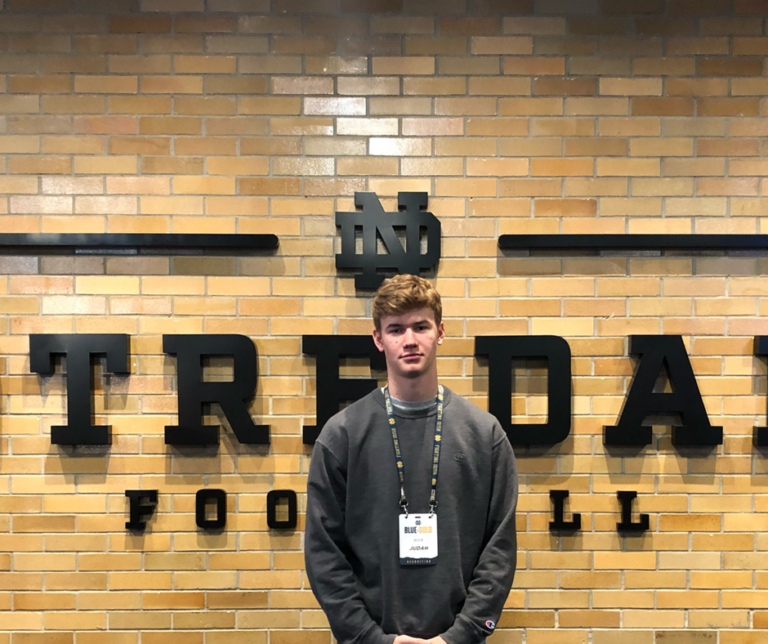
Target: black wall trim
[(633, 242), (132, 243)]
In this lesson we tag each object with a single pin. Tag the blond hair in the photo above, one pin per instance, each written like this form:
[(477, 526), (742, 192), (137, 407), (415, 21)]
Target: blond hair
[(403, 293)]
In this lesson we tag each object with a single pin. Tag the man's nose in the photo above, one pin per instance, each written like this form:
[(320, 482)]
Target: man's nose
[(409, 337)]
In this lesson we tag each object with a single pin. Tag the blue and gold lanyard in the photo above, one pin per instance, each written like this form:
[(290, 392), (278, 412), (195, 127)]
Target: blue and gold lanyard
[(435, 451)]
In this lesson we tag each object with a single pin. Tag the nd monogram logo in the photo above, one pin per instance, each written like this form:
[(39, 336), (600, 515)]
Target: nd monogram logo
[(377, 224)]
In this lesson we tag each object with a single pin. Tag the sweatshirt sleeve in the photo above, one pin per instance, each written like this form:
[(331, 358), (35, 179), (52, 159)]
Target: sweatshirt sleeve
[(326, 554), (495, 570)]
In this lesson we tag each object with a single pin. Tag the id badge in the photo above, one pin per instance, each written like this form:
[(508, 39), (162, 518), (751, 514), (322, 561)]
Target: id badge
[(418, 540)]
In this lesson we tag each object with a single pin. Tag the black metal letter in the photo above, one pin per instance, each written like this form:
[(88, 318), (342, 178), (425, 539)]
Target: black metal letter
[(658, 351), (140, 511), (760, 437), (626, 524), (201, 500), (194, 392), (501, 350), (273, 496), (372, 219), (560, 524), (79, 347), (332, 390)]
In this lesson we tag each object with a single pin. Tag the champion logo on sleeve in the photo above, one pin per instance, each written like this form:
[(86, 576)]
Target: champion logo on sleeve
[(490, 624)]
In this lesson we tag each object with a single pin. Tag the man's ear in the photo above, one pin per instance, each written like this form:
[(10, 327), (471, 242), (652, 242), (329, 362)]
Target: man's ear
[(441, 333), (377, 339)]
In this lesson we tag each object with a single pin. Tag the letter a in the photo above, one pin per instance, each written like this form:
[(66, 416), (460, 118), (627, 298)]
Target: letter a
[(657, 352)]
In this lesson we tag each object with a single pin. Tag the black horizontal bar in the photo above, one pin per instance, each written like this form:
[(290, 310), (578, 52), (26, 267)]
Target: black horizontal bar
[(633, 242), (110, 242)]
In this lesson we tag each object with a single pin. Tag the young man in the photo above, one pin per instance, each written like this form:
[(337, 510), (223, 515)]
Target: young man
[(412, 490)]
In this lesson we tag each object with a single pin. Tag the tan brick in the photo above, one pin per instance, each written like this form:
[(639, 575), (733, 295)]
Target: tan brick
[(105, 125), (530, 106), (628, 167), (337, 65), (402, 66), (564, 86), (139, 105), (433, 167), (434, 126), (75, 64), (561, 167), (565, 207), (170, 125), (429, 86), (662, 107), (302, 85), (190, 146), (464, 66), (204, 185), (728, 107), (630, 86), (106, 165), (511, 45), (18, 185), (400, 146), (172, 84), (139, 145), (697, 87), (344, 106), (269, 186), (726, 187), (662, 147), (139, 24), (295, 45), (530, 187), (465, 106), (596, 106), (19, 104), (205, 64), (595, 187), (138, 185), (205, 105), (433, 45), (112, 44), (693, 167), (497, 167), (72, 145), (297, 166), (236, 85), (729, 67), (749, 46), (495, 86), (40, 84), (367, 166), (101, 205), (270, 65), (368, 86), (40, 165), (237, 166), (106, 84)]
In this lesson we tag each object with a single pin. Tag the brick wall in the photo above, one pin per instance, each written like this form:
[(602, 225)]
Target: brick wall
[(246, 116)]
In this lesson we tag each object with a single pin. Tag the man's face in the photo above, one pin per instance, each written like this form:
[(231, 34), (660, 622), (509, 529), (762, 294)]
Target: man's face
[(409, 342)]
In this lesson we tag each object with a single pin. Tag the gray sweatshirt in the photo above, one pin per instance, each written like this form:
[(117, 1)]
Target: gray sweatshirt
[(351, 539)]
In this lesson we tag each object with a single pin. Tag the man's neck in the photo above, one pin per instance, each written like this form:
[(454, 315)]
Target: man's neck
[(415, 390)]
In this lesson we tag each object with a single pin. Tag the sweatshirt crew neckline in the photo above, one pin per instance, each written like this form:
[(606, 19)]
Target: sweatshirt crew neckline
[(406, 409)]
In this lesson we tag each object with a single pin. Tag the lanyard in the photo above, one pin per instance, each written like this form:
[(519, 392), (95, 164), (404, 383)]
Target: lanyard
[(435, 450)]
